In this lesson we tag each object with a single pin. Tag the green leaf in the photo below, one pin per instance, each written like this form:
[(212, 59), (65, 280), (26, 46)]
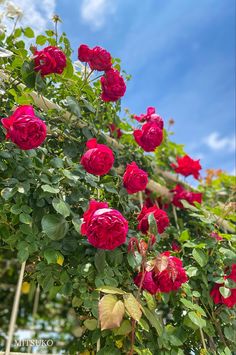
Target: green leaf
[(200, 257), (48, 188), (184, 236), (41, 40), (124, 329), (73, 105), (28, 32), (61, 207), (225, 292), (77, 224), (153, 319), (91, 324), (192, 271), (152, 224), (190, 305), (25, 218), (28, 74), (197, 319), (55, 227), (51, 255)]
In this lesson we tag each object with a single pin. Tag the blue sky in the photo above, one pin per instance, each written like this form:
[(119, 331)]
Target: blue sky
[(180, 54)]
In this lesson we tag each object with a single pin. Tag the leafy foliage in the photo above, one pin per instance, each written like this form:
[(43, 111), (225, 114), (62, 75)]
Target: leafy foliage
[(43, 195)]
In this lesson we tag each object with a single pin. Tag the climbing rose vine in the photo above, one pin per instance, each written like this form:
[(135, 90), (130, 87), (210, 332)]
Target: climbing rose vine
[(97, 201)]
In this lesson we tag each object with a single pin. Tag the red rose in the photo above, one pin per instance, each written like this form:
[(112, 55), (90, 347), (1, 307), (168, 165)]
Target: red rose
[(50, 60), (24, 128), (151, 117), (84, 53), (149, 137), (99, 159), (115, 131), (113, 86), (187, 166), (104, 227), (134, 179), (99, 59), (219, 299), (160, 216), (173, 276), (148, 283), (181, 194)]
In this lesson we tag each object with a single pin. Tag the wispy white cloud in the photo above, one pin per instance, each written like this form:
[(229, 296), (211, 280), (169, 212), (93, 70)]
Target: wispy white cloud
[(216, 142), (95, 12), (36, 14)]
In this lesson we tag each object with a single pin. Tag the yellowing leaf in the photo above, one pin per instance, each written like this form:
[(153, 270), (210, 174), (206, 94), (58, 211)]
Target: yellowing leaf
[(112, 290), (60, 260), (111, 312), (132, 306), (162, 262), (25, 288)]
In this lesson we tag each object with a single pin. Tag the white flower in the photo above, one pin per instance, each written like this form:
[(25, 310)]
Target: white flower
[(13, 11)]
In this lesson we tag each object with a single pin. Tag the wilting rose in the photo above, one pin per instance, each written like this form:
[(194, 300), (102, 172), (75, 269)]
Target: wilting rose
[(25, 129), (50, 60), (187, 166), (160, 216), (104, 227), (84, 53), (179, 193), (113, 86), (148, 283), (149, 137), (98, 159), (134, 179)]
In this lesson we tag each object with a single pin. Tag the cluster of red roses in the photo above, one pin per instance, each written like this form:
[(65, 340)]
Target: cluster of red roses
[(98, 160), (165, 274), (113, 85), (104, 227), (216, 295)]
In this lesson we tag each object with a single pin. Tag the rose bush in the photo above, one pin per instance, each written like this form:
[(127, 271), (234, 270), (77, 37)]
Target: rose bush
[(94, 254)]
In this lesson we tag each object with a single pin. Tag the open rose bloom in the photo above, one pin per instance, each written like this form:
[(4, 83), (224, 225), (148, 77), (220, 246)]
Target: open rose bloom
[(187, 166), (98, 58), (134, 179), (98, 159), (50, 60), (165, 275), (160, 216), (104, 227), (25, 129)]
